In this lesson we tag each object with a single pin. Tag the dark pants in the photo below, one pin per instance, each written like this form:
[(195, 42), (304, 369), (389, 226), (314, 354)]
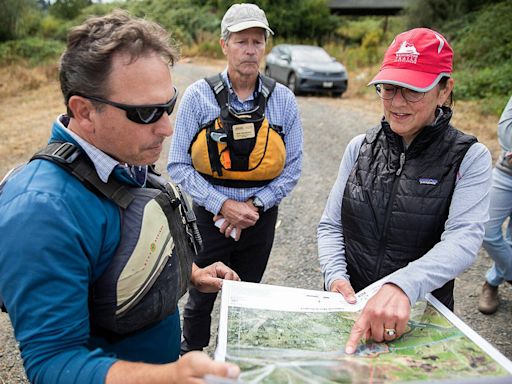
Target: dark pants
[(248, 257)]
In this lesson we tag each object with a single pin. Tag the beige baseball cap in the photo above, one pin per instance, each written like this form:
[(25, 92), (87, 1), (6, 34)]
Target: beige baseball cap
[(244, 16)]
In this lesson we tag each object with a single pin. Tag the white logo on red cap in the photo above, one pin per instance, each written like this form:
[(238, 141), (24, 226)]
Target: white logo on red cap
[(407, 53), (441, 43)]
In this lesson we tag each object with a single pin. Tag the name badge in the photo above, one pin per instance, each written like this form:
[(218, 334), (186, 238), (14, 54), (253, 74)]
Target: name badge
[(243, 131)]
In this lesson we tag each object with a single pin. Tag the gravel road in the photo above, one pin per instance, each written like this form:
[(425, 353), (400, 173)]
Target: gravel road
[(329, 124)]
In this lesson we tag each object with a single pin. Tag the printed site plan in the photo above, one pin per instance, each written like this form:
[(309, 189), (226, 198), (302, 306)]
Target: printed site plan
[(290, 335)]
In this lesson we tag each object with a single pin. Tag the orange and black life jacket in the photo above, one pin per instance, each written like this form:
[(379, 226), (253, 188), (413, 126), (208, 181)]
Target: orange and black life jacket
[(239, 149)]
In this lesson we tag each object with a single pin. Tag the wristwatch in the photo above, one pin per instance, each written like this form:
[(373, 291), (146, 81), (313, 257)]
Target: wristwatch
[(257, 203)]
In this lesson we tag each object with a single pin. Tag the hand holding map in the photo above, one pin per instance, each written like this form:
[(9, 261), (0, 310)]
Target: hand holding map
[(291, 335), (389, 309)]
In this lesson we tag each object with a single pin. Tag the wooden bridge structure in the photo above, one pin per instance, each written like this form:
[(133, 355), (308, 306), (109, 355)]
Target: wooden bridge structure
[(367, 7)]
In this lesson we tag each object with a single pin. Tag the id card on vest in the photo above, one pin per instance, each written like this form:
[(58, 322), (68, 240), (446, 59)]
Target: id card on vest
[(243, 131)]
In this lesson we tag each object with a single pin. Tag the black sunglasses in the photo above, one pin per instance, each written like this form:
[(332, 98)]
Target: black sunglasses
[(141, 114)]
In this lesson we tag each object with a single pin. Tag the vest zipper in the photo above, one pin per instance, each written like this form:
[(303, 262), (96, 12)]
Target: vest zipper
[(389, 208), (402, 162)]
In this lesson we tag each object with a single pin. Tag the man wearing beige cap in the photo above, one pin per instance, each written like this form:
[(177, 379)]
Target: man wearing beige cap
[(237, 150)]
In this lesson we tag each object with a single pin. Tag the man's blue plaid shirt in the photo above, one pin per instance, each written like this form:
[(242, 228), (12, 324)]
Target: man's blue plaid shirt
[(198, 106)]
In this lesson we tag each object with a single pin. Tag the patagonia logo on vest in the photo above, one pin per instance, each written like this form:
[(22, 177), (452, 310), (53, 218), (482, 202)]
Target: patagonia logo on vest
[(427, 181)]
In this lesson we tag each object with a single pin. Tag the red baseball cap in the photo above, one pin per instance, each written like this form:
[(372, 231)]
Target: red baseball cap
[(416, 59)]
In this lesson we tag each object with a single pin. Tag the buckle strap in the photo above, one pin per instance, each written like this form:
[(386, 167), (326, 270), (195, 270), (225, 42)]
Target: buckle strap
[(71, 158), (113, 189), (267, 85), (62, 152), (213, 152), (219, 89)]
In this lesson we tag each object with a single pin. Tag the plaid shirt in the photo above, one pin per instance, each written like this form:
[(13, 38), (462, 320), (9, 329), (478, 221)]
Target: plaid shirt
[(198, 106)]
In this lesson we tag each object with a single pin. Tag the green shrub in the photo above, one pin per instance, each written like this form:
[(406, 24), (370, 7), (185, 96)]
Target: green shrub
[(49, 26), (483, 39), (68, 9), (491, 84), (33, 49), (481, 83), (208, 46), (185, 21), (493, 105)]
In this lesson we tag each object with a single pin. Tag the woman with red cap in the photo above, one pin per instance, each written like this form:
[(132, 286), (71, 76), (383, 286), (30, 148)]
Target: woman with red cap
[(411, 197)]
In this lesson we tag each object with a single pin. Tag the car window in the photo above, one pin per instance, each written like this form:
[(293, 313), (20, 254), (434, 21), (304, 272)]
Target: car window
[(315, 55), (285, 53)]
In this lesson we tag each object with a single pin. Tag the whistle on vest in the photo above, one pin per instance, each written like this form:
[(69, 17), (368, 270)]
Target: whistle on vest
[(226, 159), (219, 137)]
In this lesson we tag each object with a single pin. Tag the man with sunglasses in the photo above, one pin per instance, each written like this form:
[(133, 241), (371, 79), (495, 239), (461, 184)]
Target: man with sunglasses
[(220, 120), (61, 239)]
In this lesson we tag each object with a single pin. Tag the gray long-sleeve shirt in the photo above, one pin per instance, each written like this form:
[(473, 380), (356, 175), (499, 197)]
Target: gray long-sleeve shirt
[(504, 162), (460, 241), (505, 128)]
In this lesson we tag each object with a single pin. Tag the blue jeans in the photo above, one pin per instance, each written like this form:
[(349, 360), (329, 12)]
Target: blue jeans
[(497, 242)]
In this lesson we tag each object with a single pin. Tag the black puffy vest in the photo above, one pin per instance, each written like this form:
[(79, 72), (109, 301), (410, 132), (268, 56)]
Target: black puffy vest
[(396, 202)]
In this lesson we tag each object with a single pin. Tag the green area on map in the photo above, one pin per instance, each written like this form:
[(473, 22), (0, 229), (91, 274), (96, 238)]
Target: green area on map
[(308, 347)]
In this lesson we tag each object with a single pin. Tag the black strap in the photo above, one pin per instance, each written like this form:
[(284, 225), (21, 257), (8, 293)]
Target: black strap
[(234, 183), (71, 158), (213, 152), (267, 86), (220, 89)]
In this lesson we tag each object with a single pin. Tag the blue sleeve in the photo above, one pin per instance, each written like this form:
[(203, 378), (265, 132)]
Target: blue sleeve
[(45, 272)]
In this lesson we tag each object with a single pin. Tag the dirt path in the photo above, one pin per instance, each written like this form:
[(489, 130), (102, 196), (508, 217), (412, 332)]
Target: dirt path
[(329, 124)]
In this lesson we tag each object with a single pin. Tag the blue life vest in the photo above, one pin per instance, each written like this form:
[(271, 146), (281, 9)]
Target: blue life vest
[(151, 268)]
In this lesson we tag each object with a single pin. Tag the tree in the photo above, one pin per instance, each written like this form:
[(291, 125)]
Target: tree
[(13, 17), (68, 9), (435, 13), (289, 19)]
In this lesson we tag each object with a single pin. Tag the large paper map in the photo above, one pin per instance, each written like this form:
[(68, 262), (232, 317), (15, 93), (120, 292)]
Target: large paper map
[(288, 335)]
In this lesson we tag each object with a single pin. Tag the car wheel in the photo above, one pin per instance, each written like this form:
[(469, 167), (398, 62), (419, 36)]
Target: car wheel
[(292, 83), (337, 94), (267, 72)]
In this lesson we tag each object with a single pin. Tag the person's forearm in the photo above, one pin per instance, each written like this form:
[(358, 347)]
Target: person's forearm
[(190, 368), (124, 372), (331, 254)]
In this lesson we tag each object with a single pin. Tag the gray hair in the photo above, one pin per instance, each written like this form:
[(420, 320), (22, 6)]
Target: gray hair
[(87, 61), (225, 35)]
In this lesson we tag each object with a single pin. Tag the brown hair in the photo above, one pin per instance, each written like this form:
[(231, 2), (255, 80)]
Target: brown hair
[(87, 61), (450, 101)]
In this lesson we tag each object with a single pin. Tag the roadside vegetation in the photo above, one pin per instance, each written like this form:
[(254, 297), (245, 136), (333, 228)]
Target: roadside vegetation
[(33, 32)]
